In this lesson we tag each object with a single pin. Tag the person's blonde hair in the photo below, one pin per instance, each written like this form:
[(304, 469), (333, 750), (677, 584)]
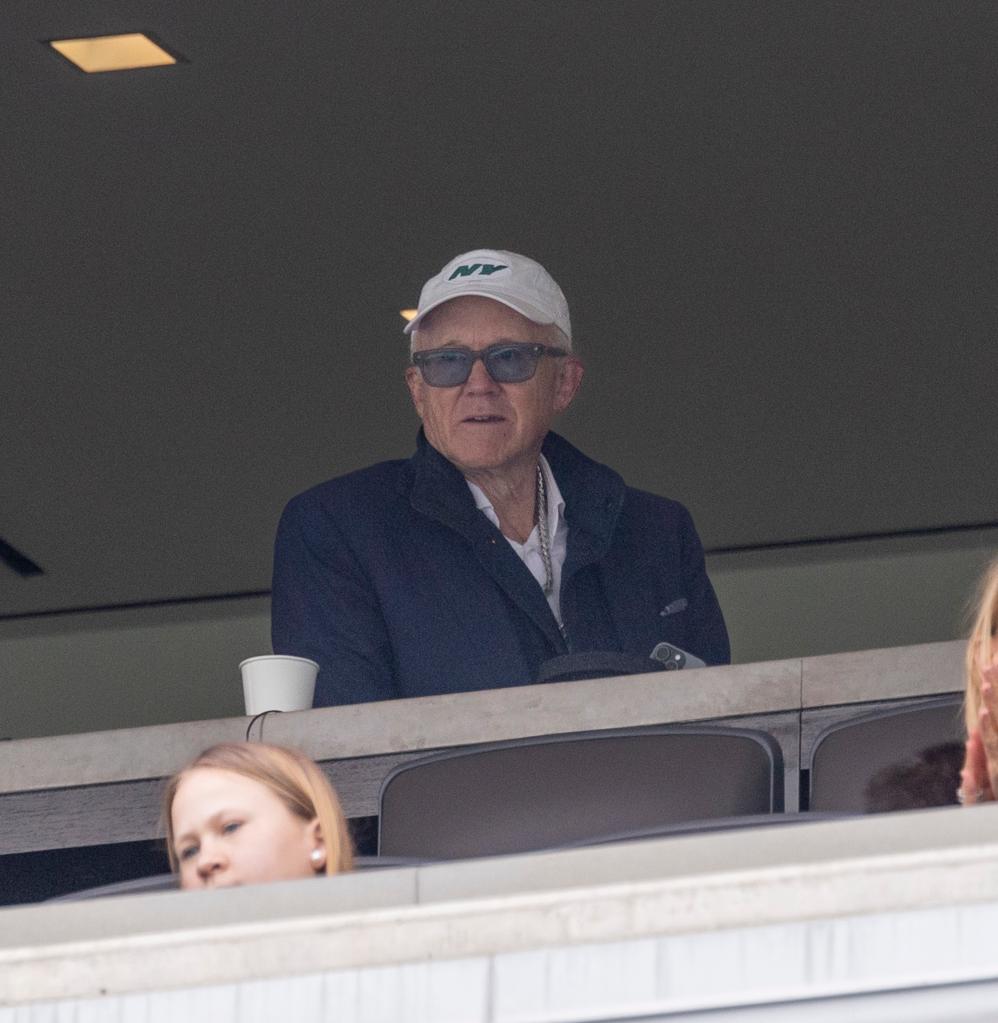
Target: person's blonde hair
[(981, 643), (295, 779)]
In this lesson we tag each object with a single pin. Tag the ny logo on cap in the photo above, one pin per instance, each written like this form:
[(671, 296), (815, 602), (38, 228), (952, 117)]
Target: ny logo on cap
[(484, 269)]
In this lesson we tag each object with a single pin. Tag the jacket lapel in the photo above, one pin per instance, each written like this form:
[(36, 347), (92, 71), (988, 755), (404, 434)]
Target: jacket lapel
[(440, 492), (594, 496)]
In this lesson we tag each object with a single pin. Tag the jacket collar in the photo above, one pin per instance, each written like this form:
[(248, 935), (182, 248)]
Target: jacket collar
[(593, 493), (437, 489), (593, 497)]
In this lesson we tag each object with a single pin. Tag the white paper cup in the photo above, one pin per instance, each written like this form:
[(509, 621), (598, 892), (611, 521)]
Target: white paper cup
[(278, 682)]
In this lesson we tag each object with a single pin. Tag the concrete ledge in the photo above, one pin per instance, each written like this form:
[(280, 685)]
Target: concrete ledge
[(374, 729), (893, 673)]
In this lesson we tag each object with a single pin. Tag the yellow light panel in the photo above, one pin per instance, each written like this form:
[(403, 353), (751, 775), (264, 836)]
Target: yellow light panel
[(113, 53), (408, 314)]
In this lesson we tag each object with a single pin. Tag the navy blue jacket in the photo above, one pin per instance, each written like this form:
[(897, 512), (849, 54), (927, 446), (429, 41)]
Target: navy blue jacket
[(398, 585)]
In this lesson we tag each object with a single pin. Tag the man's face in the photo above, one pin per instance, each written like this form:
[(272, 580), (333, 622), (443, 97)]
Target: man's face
[(481, 426)]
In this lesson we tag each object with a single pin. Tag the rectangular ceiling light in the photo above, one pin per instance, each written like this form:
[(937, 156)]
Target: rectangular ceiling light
[(113, 53)]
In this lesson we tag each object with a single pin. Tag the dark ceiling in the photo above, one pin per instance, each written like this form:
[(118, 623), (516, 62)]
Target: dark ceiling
[(775, 224)]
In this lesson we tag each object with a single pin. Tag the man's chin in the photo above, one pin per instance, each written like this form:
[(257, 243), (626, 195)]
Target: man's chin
[(476, 458), (484, 450)]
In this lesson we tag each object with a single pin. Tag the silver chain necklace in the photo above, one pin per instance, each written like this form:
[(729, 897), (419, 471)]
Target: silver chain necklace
[(542, 530)]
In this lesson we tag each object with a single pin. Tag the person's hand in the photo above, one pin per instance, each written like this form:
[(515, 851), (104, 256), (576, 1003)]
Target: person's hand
[(988, 668), (975, 781), (979, 777)]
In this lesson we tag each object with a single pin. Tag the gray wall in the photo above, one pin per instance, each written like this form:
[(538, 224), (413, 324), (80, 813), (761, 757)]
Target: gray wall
[(774, 223)]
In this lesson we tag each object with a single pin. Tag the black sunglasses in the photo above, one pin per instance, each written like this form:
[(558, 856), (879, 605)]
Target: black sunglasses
[(508, 362)]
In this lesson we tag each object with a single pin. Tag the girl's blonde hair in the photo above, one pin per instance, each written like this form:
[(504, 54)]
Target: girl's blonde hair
[(295, 779), (982, 643)]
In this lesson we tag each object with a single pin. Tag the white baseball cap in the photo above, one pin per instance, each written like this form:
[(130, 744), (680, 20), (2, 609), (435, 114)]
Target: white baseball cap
[(516, 281)]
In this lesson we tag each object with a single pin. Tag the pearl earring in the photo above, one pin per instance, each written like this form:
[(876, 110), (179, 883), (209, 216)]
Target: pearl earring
[(317, 856)]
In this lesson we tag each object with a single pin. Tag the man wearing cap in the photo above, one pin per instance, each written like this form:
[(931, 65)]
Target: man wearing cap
[(497, 546)]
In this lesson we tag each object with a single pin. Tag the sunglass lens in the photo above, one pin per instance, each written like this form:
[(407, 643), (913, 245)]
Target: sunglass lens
[(445, 368), (511, 365), (506, 364)]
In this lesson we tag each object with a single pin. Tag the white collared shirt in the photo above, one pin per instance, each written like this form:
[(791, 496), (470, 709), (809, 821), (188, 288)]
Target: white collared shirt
[(529, 552)]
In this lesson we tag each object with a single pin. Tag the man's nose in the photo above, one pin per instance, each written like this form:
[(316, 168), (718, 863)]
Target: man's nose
[(479, 379)]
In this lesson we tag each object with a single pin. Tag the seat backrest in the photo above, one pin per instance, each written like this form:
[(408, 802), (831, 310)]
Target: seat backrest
[(715, 825), (138, 885), (848, 754), (543, 793)]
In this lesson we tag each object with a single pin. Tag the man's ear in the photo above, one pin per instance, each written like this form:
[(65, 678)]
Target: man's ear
[(570, 374), (414, 381)]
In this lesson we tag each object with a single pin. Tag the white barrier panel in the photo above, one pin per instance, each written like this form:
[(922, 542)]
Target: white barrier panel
[(770, 917), (806, 968)]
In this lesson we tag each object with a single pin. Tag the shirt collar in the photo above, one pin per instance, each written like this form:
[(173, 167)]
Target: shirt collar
[(556, 503)]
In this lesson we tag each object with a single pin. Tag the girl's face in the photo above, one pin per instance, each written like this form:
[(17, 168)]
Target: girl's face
[(231, 830)]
